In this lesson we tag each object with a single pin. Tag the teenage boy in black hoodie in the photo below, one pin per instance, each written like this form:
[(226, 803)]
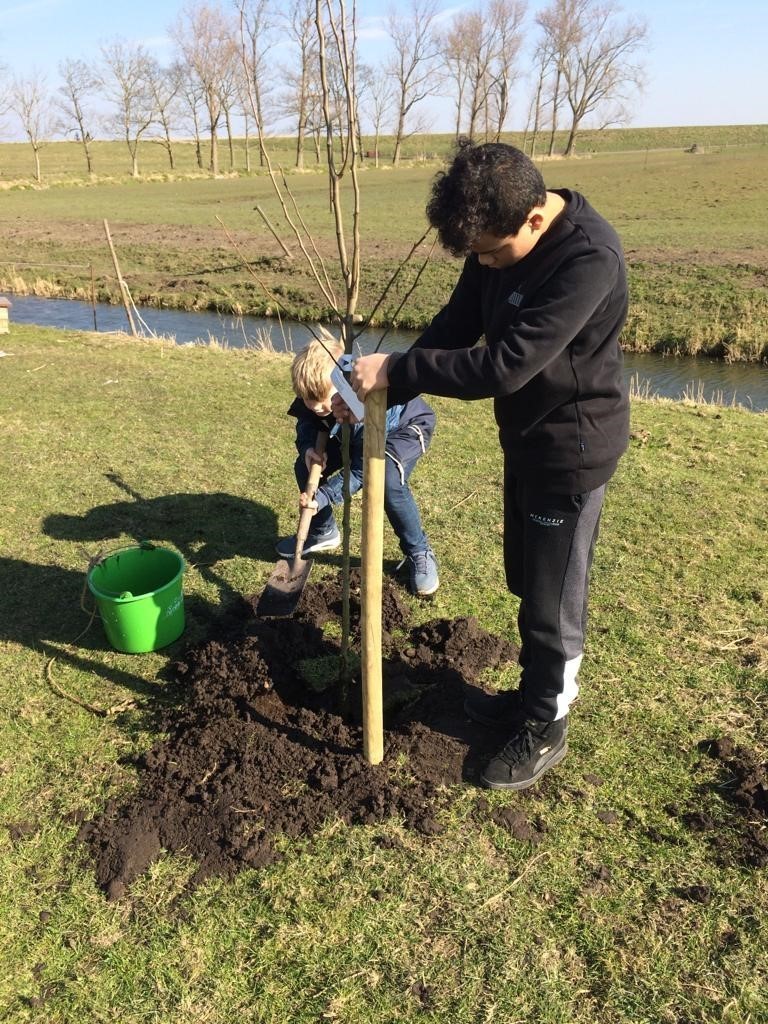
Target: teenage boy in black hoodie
[(544, 281)]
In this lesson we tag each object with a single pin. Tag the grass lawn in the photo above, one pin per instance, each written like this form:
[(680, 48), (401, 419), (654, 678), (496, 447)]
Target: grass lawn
[(621, 913), (691, 224)]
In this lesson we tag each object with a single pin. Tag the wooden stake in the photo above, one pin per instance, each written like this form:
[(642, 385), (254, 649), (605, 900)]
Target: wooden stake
[(93, 299), (275, 235), (120, 281), (372, 558)]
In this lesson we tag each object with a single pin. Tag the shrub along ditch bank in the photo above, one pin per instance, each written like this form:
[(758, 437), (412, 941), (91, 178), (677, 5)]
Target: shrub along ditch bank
[(676, 308)]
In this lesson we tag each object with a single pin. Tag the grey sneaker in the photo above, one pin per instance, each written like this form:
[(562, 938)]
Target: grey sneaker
[(422, 573), (535, 747), (494, 709), (327, 539)]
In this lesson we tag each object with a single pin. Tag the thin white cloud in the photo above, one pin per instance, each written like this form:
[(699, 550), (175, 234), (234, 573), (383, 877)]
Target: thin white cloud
[(155, 42), (450, 12), (374, 26), (29, 8), (371, 27)]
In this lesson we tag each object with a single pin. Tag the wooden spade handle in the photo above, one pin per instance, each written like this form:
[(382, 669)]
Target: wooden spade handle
[(305, 516), (374, 440)]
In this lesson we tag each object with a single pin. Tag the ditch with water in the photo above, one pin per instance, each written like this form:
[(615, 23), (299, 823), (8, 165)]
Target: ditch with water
[(710, 380)]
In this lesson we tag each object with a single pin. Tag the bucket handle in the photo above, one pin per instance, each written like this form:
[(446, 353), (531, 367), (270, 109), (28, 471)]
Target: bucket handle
[(93, 561)]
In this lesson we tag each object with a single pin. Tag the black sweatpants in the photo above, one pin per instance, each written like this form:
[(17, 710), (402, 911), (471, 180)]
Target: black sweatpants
[(549, 541)]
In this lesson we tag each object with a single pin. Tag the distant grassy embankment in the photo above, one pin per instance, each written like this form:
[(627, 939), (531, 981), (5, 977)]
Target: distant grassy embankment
[(691, 223)]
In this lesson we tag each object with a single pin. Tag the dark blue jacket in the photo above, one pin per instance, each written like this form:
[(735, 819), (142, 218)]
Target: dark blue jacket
[(409, 431)]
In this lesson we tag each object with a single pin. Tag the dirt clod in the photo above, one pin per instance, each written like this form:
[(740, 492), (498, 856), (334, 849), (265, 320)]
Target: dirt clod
[(607, 817)]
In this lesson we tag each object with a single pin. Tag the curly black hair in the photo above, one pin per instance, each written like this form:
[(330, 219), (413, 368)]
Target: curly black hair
[(489, 188)]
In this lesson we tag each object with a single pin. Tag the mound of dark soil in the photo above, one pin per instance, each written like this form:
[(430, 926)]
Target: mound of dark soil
[(255, 753), (744, 791)]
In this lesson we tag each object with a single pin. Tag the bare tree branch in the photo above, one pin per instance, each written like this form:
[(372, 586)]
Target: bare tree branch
[(408, 294), (400, 267)]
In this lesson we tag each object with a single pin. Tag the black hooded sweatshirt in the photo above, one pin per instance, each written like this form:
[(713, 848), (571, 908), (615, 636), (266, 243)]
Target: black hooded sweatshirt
[(551, 359)]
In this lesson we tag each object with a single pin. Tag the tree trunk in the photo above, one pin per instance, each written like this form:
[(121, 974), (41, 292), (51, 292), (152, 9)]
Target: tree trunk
[(459, 106), (300, 141), (258, 128), (555, 108), (503, 109), (38, 175), (88, 160), (228, 123), (398, 139), (214, 167), (571, 143), (198, 147)]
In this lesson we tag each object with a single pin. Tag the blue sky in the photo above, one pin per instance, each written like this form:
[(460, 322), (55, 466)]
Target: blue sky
[(708, 62)]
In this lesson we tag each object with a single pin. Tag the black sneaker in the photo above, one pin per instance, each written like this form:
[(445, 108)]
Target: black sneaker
[(534, 748), (498, 710)]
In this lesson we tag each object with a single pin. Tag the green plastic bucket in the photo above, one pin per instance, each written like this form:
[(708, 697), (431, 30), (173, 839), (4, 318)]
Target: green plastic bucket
[(138, 595)]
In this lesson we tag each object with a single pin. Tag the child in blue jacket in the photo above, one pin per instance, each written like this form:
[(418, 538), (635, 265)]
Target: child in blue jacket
[(409, 430)]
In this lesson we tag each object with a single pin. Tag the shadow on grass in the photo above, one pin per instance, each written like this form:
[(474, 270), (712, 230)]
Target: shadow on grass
[(205, 528), (48, 607)]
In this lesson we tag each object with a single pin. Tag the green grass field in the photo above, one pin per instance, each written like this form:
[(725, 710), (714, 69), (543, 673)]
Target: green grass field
[(620, 915), (691, 224)]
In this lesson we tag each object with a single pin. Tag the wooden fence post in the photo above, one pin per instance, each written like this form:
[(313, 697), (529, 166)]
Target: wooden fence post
[(120, 281)]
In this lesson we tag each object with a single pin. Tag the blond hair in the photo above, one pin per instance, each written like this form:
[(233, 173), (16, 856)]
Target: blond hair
[(311, 369)]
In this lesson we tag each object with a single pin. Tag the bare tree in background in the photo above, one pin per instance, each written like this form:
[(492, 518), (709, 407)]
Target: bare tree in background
[(126, 86), (165, 87), (315, 126), (299, 22), (541, 61), (257, 25), (413, 64), (79, 83), (593, 55), (480, 50), (193, 101), (205, 37), (601, 70), (333, 90), (31, 103), (507, 18), (228, 95), (375, 97), (455, 53), (244, 110), (560, 25)]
